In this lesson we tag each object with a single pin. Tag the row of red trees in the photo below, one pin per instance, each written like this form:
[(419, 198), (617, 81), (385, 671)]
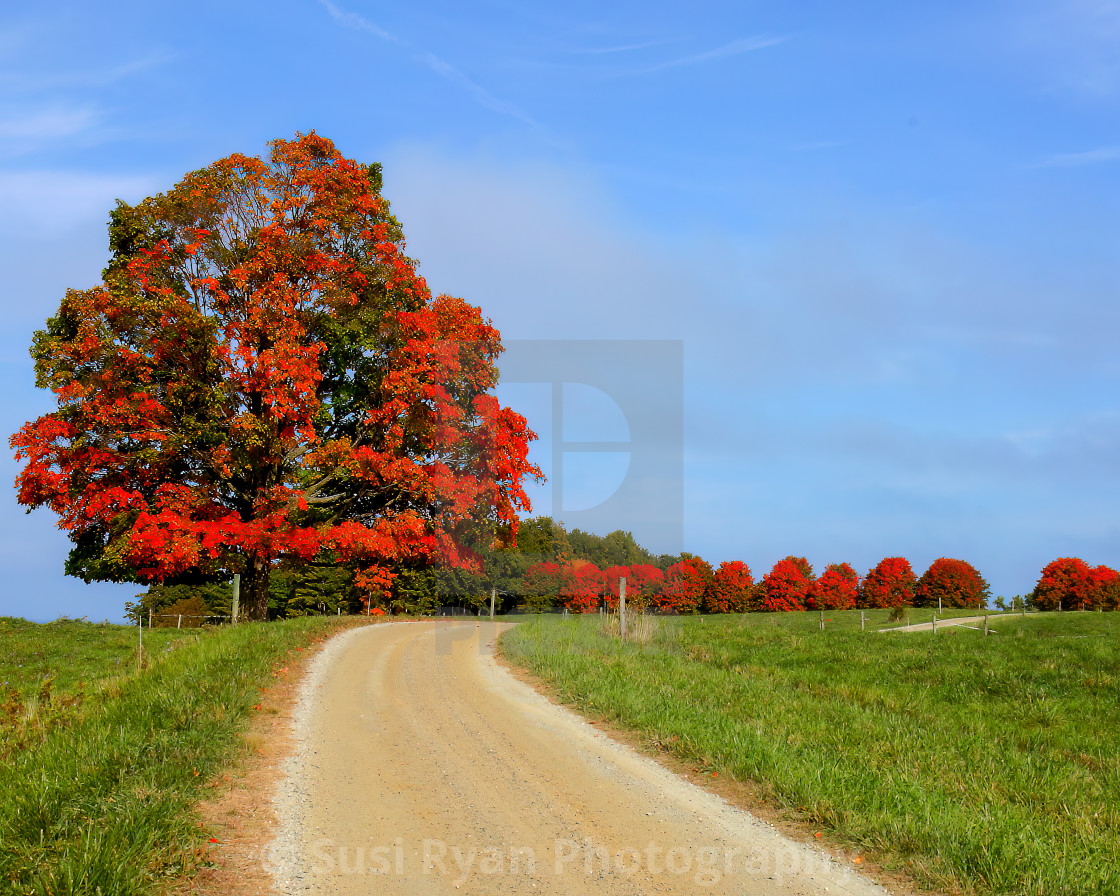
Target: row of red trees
[(693, 586), (581, 586)]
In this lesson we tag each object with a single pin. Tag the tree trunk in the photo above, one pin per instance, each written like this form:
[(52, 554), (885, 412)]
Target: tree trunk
[(254, 589)]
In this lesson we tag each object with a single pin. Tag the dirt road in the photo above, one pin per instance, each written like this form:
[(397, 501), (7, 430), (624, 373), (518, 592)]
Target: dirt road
[(424, 767), (966, 621)]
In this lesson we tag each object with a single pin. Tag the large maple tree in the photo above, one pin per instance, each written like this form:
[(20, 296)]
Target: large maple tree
[(264, 374)]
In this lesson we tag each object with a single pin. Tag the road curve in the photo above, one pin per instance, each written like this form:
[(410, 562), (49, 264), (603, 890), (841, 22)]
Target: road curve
[(424, 767)]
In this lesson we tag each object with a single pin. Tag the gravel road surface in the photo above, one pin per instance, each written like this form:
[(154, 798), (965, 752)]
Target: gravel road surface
[(966, 621), (424, 767)]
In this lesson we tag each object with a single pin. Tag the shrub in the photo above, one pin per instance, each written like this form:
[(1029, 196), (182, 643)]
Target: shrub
[(193, 611)]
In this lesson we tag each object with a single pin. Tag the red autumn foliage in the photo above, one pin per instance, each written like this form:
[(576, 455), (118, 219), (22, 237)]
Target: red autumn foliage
[(955, 582), (645, 580), (684, 586), (1105, 584), (263, 374), (581, 587), (889, 584), (543, 580), (1064, 583), (642, 582), (836, 589), (1069, 583), (729, 591), (786, 587), (611, 575)]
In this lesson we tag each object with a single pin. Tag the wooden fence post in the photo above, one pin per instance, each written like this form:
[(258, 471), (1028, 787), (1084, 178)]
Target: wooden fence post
[(622, 607)]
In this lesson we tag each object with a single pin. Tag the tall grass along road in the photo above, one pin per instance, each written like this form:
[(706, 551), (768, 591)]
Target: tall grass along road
[(425, 767), (975, 765), (102, 764)]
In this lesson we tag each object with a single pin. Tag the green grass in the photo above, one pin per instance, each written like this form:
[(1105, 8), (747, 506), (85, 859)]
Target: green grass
[(849, 620), (979, 765), (48, 671), (73, 653), (99, 798)]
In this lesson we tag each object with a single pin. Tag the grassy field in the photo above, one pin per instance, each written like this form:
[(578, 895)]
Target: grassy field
[(46, 671), (102, 763), (977, 765)]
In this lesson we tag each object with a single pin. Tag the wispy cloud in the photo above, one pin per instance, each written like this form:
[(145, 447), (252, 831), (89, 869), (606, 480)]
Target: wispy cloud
[(26, 128), (481, 95), (359, 23), (624, 48), (47, 124), (734, 48), (1077, 159), (53, 201), (44, 105), (27, 81), (440, 66), (1074, 42)]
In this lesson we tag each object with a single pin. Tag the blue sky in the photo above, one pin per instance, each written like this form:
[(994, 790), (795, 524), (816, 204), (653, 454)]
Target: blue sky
[(885, 234)]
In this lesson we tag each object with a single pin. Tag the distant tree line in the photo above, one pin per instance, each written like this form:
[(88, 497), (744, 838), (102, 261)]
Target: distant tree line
[(551, 567)]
